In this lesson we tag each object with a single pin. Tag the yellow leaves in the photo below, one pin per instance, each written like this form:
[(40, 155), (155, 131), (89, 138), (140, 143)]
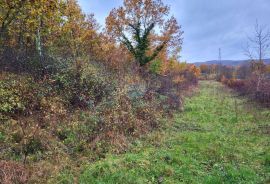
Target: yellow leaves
[(58, 23), (193, 69), (179, 79), (204, 68), (53, 105), (134, 11), (268, 69)]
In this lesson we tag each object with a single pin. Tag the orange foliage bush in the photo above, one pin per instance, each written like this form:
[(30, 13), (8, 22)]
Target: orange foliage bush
[(255, 83), (236, 84)]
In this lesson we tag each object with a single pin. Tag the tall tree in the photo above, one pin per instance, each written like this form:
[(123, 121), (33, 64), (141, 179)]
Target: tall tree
[(76, 34), (258, 44), (45, 28), (9, 11), (25, 23), (145, 28)]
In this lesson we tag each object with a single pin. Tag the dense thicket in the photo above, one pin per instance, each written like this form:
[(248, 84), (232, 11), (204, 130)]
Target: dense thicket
[(70, 92)]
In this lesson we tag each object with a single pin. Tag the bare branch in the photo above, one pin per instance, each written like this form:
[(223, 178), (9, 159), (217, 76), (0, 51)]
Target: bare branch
[(260, 42)]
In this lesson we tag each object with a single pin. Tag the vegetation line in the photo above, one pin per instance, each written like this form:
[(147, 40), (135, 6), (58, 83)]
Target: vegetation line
[(208, 143)]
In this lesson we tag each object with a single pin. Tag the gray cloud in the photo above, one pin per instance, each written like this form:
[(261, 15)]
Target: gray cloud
[(213, 24)]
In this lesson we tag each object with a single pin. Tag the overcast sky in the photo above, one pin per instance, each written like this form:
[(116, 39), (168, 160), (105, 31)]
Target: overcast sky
[(208, 24)]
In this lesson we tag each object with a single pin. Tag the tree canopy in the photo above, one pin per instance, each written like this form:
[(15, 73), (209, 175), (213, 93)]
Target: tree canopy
[(145, 28)]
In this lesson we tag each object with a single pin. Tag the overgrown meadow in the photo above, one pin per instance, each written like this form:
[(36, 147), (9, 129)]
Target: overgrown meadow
[(82, 102), (71, 92)]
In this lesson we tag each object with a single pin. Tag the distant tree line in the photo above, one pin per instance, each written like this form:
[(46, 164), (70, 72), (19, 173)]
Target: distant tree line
[(251, 78)]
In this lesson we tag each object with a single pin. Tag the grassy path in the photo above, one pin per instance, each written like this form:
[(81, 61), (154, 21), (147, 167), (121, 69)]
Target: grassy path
[(217, 139)]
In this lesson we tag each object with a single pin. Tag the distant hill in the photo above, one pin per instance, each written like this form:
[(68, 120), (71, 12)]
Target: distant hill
[(228, 62)]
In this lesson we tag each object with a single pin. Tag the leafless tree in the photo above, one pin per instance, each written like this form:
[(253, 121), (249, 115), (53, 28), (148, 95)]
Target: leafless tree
[(259, 43), (256, 50)]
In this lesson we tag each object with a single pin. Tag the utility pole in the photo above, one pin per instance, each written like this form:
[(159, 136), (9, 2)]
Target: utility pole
[(219, 63), (219, 55)]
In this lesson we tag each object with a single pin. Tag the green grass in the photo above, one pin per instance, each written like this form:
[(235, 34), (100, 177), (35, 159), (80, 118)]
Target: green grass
[(219, 138)]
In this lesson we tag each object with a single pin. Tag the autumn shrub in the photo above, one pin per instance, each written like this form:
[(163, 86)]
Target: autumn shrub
[(114, 122), (83, 84), (191, 74), (17, 94), (21, 95), (122, 119), (262, 96), (24, 140), (156, 66), (74, 136), (258, 88), (256, 85), (12, 172), (114, 57), (168, 91), (89, 108), (130, 110), (235, 84), (9, 99)]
